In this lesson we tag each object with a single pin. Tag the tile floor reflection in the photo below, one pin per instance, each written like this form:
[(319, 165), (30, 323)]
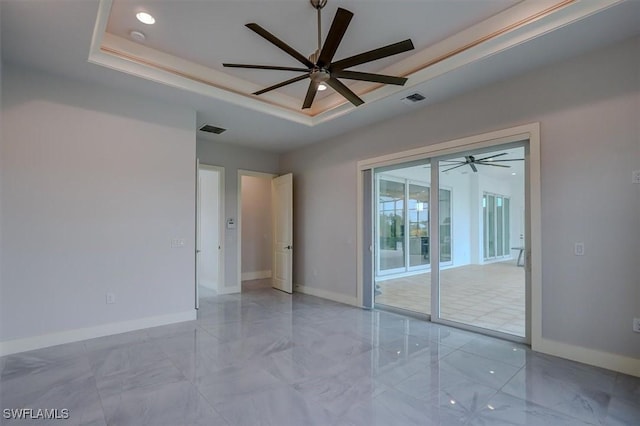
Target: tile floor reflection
[(264, 357)]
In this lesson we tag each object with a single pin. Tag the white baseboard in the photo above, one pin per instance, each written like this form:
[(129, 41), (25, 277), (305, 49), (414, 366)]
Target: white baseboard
[(228, 290), (610, 361), (43, 341), (255, 275), (212, 285), (325, 294)]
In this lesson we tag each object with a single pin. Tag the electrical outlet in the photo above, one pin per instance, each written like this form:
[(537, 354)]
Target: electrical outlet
[(578, 249), (110, 298), (636, 325), (635, 178)]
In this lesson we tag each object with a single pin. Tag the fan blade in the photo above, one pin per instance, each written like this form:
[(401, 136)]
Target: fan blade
[(281, 44), (365, 76), (492, 156), (373, 55), (311, 93), (490, 163), (284, 83), (334, 37), (475, 170), (344, 91), (265, 67), (463, 164), (513, 159)]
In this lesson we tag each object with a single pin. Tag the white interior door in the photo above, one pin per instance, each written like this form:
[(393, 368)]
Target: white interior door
[(282, 201)]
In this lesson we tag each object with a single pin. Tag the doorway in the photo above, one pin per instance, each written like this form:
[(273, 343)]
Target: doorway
[(209, 231), (462, 255), (255, 229)]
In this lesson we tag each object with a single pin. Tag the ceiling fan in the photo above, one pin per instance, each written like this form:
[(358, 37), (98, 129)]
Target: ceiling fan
[(472, 161), (320, 67)]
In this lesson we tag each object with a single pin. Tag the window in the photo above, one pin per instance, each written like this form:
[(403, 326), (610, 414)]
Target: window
[(406, 248), (496, 216)]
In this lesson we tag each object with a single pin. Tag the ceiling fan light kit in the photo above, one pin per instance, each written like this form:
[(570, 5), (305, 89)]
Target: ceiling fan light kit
[(320, 67)]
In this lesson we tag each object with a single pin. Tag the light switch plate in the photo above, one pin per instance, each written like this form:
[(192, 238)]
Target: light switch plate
[(635, 176), (177, 243), (578, 249)]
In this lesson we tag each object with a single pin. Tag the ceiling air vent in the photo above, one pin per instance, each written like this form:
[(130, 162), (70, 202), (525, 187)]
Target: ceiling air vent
[(412, 99), (212, 129)]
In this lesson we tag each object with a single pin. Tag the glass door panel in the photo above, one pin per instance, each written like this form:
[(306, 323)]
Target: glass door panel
[(473, 292), (402, 258)]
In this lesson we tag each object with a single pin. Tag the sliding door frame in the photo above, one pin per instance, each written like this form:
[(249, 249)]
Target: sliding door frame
[(529, 133), (436, 267)]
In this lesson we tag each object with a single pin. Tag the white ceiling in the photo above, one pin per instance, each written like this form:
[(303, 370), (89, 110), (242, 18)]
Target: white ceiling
[(57, 36)]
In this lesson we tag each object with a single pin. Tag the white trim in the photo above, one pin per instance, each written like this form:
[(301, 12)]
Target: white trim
[(242, 172), (230, 290), (256, 275), (610, 361), (43, 341), (326, 294)]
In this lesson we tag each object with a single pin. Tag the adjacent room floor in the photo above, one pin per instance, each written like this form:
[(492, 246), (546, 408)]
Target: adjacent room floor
[(265, 357), (490, 296)]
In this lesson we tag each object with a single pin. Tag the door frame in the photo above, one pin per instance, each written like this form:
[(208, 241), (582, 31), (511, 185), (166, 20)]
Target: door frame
[(533, 254), (221, 198), (251, 173)]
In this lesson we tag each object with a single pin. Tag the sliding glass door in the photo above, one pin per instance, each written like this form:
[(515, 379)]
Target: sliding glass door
[(466, 208), (485, 286)]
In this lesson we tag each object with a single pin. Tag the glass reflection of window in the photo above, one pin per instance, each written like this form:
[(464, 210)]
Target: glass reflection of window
[(496, 220), (391, 226), (445, 225), (418, 209)]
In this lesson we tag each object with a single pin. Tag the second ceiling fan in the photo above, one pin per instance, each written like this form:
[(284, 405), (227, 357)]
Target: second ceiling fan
[(320, 67), (472, 162)]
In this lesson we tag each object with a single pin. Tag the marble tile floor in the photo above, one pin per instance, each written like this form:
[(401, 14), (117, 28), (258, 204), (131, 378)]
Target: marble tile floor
[(490, 296), (267, 358)]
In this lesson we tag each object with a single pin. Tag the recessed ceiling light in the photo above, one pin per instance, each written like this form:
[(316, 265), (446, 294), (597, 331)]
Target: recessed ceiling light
[(137, 35), (322, 87), (145, 18), (513, 174)]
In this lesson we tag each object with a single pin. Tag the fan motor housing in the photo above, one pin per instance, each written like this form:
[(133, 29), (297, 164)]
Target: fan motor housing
[(319, 75), (318, 4)]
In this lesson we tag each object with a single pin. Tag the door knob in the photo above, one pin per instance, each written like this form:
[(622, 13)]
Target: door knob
[(288, 247)]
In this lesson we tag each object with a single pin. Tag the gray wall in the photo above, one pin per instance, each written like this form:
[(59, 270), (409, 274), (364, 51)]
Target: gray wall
[(96, 184), (590, 143), (256, 224), (233, 158)]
